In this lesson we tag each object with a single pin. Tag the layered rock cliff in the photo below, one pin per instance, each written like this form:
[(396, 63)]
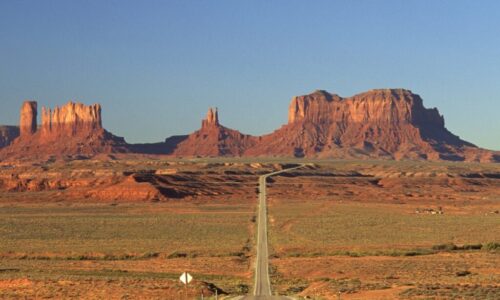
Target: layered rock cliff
[(387, 123), (212, 139), (73, 130), (71, 119)]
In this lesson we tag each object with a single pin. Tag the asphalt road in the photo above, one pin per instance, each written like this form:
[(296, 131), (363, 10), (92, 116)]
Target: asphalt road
[(262, 285)]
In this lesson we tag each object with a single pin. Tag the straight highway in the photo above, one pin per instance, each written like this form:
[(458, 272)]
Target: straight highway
[(262, 286)]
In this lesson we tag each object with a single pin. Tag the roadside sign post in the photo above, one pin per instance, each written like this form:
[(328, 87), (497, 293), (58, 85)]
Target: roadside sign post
[(186, 279)]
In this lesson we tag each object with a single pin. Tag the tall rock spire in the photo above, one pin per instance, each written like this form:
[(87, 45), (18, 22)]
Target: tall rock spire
[(27, 122), (212, 118)]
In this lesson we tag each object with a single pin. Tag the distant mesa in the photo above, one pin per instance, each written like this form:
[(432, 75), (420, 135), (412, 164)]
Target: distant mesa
[(8, 134), (382, 123), (378, 124), (72, 130)]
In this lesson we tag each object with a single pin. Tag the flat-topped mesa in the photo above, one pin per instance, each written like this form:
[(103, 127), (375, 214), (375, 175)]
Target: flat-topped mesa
[(212, 119), (381, 123), (396, 106), (71, 118), (27, 122), (375, 106)]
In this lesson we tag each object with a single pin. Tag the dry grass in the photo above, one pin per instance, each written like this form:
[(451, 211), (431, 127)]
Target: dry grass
[(315, 228), (134, 251), (364, 239)]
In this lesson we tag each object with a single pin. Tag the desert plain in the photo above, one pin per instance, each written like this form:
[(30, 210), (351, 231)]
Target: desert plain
[(354, 229), (250, 150)]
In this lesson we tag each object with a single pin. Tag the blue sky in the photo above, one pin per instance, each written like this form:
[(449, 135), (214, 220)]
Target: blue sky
[(156, 66)]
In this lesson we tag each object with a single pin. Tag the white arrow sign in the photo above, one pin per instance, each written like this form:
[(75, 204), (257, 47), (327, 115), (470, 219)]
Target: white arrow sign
[(186, 278)]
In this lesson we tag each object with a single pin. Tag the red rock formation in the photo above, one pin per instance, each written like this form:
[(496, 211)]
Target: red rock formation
[(212, 119), (213, 139), (71, 130), (27, 123), (387, 123), (128, 189), (71, 119)]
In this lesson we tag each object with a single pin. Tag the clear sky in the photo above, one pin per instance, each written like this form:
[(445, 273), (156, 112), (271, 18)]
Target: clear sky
[(156, 66)]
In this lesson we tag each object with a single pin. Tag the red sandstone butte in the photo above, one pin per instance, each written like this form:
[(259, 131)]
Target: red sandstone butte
[(382, 123), (71, 130), (71, 119), (214, 139)]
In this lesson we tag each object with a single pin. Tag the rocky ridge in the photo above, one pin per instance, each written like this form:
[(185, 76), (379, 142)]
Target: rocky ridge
[(378, 124)]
